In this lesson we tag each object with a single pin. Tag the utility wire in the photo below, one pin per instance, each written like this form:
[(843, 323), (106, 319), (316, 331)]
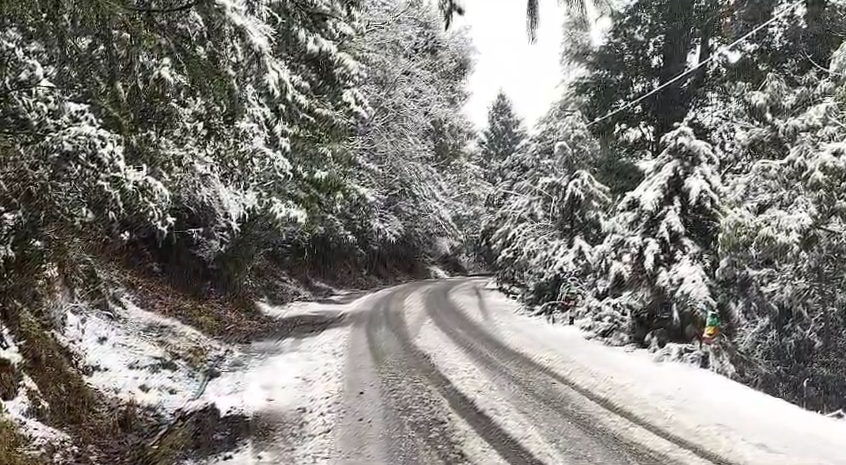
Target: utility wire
[(681, 76)]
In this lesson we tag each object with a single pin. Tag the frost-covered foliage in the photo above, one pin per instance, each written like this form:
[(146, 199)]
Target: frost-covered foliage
[(410, 160), (657, 250), (501, 138), (551, 210), (188, 125), (782, 245), (221, 134), (740, 207)]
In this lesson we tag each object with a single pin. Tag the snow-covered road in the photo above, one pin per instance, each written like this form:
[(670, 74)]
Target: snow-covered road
[(448, 372)]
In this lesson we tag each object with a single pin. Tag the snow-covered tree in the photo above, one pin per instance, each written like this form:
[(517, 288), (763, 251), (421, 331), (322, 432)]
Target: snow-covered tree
[(737, 210), (551, 209), (659, 247), (501, 138), (213, 126), (414, 137), (782, 243), (651, 42)]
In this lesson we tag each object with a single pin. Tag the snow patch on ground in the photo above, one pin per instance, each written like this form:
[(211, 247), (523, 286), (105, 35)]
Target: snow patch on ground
[(727, 417), (291, 382), (437, 272), (296, 309), (138, 355), (8, 348), (293, 385), (19, 409), (340, 302)]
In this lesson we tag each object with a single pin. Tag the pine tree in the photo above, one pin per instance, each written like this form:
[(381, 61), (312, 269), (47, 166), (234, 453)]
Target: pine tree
[(551, 210), (659, 247), (501, 138), (410, 149), (782, 240), (215, 127), (650, 43)]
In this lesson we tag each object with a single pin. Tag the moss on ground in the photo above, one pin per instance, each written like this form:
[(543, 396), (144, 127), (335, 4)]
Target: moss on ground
[(13, 445), (199, 434), (10, 380)]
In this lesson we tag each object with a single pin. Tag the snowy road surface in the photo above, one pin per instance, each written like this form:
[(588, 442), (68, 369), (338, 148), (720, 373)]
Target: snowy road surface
[(446, 372)]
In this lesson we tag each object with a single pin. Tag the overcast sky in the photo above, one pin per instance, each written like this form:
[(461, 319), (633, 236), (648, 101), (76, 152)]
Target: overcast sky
[(529, 73)]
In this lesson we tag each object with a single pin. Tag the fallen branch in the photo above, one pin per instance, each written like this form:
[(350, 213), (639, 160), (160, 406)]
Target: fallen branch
[(174, 9), (837, 414)]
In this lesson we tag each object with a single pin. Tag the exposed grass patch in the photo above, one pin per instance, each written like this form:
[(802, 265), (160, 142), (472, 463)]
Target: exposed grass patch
[(10, 380), (49, 364), (197, 435), (234, 319), (13, 445)]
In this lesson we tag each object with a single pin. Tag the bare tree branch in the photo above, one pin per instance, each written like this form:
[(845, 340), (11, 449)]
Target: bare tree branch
[(174, 9)]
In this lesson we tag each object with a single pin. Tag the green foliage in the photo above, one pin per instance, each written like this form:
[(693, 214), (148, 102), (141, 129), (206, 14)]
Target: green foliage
[(736, 205), (651, 42), (501, 137), (549, 209)]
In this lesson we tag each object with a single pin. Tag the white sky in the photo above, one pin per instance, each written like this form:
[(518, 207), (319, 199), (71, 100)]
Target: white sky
[(528, 73)]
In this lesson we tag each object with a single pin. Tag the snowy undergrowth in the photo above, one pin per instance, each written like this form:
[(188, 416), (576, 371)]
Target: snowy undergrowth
[(20, 409), (139, 356), (727, 417), (293, 384)]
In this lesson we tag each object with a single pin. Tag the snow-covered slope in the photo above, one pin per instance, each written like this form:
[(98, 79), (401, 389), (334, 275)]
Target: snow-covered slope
[(138, 355), (19, 408)]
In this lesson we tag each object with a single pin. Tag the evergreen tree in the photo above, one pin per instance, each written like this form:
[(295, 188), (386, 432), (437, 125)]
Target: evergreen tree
[(551, 210), (658, 248), (410, 148), (782, 241), (739, 206), (501, 138), (650, 43)]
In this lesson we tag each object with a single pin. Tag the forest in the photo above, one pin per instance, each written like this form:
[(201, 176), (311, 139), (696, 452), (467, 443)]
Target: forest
[(694, 163)]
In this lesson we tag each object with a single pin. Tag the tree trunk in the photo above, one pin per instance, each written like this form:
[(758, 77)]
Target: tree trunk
[(670, 105)]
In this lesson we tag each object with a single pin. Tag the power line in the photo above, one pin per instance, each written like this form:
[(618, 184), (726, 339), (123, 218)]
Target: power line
[(687, 72)]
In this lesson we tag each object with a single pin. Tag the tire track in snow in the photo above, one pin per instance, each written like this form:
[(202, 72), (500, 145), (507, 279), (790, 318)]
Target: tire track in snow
[(584, 441), (425, 385), (480, 344), (422, 435), (366, 424)]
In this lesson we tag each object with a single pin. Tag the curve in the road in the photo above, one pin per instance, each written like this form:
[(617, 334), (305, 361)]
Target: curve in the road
[(389, 339), (488, 350), (539, 396)]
